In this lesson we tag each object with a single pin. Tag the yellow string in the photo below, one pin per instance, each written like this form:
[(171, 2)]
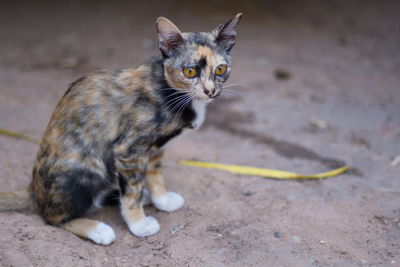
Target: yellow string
[(266, 173), (9, 133)]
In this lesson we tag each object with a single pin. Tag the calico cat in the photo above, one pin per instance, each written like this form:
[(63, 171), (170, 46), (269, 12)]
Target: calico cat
[(104, 142)]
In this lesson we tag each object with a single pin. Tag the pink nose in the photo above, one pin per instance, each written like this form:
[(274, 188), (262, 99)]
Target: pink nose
[(210, 93)]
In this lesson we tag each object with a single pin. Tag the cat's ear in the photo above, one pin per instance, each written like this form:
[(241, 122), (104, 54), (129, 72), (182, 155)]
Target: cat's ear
[(169, 36), (225, 34)]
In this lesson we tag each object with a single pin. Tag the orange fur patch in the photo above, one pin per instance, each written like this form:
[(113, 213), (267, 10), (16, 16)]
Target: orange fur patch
[(131, 206), (81, 227), (155, 184)]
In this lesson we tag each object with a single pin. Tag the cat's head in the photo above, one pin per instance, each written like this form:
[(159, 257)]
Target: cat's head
[(197, 63)]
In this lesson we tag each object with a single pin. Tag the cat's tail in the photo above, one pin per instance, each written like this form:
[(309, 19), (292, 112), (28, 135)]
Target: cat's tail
[(16, 200)]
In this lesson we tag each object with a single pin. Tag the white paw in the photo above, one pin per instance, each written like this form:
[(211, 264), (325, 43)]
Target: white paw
[(169, 202), (103, 234), (148, 226), (146, 199)]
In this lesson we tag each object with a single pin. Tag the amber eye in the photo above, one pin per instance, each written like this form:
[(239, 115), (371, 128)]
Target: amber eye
[(220, 70), (190, 72)]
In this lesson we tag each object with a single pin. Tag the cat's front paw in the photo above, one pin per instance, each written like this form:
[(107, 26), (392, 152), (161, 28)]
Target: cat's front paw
[(169, 202), (146, 227)]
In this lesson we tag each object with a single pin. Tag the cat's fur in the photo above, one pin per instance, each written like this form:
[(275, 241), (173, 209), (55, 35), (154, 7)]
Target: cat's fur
[(104, 141)]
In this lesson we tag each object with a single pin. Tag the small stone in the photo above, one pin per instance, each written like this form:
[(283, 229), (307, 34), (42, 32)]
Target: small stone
[(363, 261), (247, 193), (393, 262), (296, 238), (281, 74), (277, 234), (322, 242)]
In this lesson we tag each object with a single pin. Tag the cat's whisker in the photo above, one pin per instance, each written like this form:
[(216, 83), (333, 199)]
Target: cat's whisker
[(228, 97), (185, 104), (230, 85), (180, 103), (225, 96), (176, 89), (176, 93), (173, 100), (233, 93)]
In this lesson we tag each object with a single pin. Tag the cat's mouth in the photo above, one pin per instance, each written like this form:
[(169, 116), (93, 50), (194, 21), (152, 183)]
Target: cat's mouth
[(215, 95), (209, 95), (207, 98)]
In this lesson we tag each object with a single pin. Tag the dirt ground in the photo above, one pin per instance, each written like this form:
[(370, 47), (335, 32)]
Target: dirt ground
[(318, 85)]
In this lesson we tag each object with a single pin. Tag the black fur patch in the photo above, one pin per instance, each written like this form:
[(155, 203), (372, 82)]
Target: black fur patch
[(202, 62), (73, 84), (81, 188), (164, 139)]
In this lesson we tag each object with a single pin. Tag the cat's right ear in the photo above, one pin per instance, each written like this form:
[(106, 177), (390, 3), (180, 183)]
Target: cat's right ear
[(169, 36)]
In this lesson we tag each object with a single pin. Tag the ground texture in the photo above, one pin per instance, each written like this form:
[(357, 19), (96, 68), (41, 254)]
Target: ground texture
[(318, 86)]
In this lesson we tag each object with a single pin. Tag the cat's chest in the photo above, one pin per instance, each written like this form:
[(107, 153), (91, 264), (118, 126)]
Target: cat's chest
[(199, 108)]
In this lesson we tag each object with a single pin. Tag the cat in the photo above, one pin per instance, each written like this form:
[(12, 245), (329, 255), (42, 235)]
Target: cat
[(104, 142)]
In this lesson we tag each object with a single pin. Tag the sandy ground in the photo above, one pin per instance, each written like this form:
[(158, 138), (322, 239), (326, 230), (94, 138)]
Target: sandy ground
[(344, 65)]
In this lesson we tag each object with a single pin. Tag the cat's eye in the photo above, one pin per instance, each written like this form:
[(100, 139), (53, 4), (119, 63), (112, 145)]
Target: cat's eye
[(220, 70), (190, 72)]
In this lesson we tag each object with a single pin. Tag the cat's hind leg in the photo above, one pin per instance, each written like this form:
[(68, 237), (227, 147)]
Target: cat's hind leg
[(69, 198), (98, 232), (161, 199)]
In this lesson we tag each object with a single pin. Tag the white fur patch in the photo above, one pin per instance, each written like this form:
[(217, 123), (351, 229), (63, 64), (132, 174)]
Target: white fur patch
[(146, 227), (169, 202), (199, 108), (103, 234)]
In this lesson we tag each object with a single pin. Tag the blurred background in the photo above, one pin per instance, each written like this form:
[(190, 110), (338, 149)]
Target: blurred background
[(317, 85)]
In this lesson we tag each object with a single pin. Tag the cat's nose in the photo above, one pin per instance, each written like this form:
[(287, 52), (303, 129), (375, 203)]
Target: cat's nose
[(210, 93)]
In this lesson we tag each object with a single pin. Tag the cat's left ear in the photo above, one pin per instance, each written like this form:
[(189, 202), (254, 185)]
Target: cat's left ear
[(225, 34), (169, 36)]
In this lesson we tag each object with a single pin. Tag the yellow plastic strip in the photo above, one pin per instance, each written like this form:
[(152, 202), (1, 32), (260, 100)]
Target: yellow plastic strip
[(266, 173), (9, 133)]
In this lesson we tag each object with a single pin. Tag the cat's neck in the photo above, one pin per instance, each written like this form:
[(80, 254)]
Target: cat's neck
[(199, 107)]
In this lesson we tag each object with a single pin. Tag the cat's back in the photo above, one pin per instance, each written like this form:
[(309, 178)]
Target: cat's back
[(88, 116), (98, 97), (104, 83)]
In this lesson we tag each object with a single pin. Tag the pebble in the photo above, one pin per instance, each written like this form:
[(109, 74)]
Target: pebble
[(296, 238), (282, 74), (247, 193), (277, 234), (393, 262), (363, 261), (323, 242)]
